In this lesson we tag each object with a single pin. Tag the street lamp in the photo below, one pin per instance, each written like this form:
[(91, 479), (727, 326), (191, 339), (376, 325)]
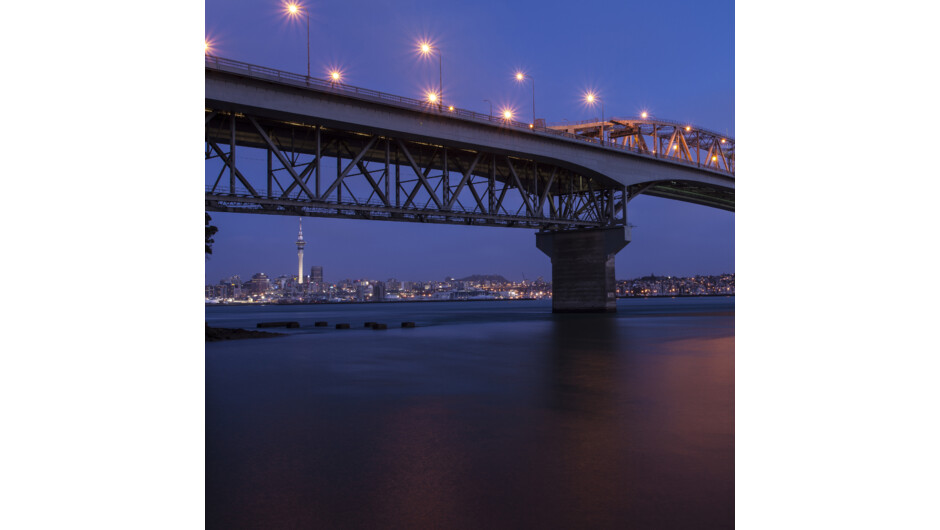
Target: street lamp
[(294, 10), (592, 98), (521, 77), (335, 77), (426, 49), (491, 106)]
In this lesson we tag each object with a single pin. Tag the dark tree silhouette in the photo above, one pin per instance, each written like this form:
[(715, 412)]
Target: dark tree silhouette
[(210, 231)]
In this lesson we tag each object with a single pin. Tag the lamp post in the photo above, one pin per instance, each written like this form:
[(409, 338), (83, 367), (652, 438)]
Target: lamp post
[(335, 77), (426, 49), (521, 77), (592, 98), (294, 10)]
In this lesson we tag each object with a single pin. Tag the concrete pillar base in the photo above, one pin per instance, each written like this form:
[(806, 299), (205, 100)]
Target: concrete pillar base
[(583, 268)]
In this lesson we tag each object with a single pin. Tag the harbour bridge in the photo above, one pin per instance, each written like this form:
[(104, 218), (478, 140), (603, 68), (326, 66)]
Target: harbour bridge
[(273, 139)]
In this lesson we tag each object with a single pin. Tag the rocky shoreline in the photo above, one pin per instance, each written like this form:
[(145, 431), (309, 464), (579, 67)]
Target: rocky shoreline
[(216, 334)]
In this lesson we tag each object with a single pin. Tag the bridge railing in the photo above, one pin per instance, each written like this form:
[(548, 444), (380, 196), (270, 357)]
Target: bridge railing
[(326, 85)]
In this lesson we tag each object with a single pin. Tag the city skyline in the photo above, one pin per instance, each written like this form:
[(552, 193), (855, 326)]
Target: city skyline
[(669, 237)]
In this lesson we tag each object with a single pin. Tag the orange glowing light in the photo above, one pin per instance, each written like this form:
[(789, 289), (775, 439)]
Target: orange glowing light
[(432, 97), (687, 128), (425, 48), (675, 147), (531, 125), (450, 108), (293, 9), (714, 159), (590, 97), (520, 76), (644, 115), (722, 140), (335, 75), (507, 114)]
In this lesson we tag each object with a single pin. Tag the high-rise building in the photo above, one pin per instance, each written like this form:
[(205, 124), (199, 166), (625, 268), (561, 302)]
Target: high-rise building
[(300, 251), (259, 284), (378, 291), (316, 274)]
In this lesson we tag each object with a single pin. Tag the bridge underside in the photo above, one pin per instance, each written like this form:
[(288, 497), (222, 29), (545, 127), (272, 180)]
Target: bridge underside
[(270, 166)]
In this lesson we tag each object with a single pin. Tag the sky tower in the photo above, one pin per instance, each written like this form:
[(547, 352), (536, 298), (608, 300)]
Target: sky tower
[(300, 251)]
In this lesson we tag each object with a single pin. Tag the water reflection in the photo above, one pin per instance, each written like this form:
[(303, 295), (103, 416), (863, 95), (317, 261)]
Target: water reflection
[(552, 421)]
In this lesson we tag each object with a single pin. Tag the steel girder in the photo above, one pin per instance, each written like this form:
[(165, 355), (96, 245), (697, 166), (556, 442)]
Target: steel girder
[(287, 168), (668, 140)]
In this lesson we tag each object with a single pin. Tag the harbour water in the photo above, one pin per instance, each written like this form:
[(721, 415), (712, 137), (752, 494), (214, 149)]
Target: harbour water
[(486, 415)]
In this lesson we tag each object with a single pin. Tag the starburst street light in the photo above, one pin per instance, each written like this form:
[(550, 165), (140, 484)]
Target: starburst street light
[(591, 98), (507, 114), (208, 46), (335, 76), (426, 48), (521, 77), (294, 10), (432, 97)]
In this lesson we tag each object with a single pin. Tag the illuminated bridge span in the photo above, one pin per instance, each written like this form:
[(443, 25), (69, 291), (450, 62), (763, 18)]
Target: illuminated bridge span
[(285, 144)]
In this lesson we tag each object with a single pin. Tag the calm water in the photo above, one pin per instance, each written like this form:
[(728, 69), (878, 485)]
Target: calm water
[(488, 415)]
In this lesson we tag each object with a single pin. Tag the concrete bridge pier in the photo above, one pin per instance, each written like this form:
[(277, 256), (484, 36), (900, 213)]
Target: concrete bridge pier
[(583, 268)]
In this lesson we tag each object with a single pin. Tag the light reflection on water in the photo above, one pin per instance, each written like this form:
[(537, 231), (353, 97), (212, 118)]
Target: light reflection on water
[(487, 415)]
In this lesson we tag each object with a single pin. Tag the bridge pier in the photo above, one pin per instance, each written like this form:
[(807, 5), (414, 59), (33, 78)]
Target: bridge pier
[(583, 268)]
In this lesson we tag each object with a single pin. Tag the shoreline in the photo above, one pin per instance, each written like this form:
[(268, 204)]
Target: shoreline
[(438, 301), (218, 334)]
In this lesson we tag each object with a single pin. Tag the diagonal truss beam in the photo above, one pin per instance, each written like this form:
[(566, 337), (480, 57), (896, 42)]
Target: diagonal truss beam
[(280, 156), (231, 165), (421, 176), (463, 182), (353, 163)]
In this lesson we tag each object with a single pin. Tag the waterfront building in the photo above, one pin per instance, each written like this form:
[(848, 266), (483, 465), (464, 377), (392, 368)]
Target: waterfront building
[(259, 284), (378, 291)]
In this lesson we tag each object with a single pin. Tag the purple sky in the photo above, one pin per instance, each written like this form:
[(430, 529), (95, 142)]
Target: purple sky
[(675, 62)]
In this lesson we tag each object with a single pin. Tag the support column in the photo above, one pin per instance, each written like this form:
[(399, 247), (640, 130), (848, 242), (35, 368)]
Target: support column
[(583, 268)]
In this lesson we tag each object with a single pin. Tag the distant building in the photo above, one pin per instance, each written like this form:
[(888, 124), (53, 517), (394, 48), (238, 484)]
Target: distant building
[(259, 284), (378, 291), (316, 274)]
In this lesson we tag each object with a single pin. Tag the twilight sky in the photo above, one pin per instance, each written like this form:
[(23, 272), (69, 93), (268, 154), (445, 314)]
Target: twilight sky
[(677, 62)]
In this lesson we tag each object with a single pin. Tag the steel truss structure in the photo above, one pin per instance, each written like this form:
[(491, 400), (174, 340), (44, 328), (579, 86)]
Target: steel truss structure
[(267, 166), (669, 140)]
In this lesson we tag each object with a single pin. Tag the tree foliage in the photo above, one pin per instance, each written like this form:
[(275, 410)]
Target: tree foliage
[(210, 231)]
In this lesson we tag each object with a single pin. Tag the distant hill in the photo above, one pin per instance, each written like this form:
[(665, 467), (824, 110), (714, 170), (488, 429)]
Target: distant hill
[(494, 278)]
